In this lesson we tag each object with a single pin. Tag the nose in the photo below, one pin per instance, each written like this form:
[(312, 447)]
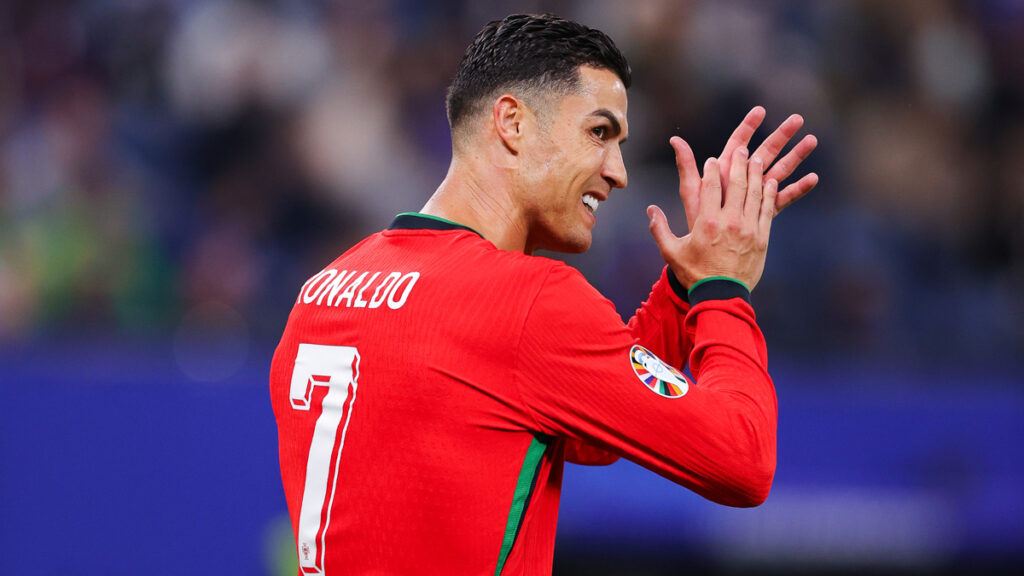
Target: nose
[(614, 169)]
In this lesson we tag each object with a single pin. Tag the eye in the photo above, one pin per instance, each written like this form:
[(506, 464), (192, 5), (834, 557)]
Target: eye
[(600, 131)]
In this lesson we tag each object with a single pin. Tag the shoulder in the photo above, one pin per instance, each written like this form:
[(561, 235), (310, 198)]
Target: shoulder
[(544, 278), (469, 264), (560, 279), (564, 299)]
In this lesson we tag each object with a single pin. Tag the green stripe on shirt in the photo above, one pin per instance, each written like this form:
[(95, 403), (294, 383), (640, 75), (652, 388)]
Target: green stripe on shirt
[(531, 465)]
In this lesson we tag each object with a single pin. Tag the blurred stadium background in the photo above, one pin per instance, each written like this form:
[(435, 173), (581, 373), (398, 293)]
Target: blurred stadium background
[(171, 171)]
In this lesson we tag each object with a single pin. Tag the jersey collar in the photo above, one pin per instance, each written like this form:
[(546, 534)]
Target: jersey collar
[(417, 221)]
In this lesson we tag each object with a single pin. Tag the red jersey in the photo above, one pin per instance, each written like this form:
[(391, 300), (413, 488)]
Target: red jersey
[(429, 386)]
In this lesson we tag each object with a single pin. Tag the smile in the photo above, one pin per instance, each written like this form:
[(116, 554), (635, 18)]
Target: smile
[(590, 202)]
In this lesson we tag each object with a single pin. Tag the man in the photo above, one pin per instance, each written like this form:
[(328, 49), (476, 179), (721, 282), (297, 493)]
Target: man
[(433, 379)]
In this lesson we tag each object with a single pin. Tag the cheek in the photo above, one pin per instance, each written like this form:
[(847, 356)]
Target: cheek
[(555, 171), (544, 163), (588, 164)]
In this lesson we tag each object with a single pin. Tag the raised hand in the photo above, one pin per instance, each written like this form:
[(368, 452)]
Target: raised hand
[(767, 152), (729, 235)]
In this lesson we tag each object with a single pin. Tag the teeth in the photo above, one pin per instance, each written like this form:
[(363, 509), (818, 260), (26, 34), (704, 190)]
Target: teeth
[(590, 202)]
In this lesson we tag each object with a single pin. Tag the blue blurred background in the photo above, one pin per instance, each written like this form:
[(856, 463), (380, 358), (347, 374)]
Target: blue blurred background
[(171, 171)]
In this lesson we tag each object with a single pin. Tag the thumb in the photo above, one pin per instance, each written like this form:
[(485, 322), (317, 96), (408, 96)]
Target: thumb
[(660, 229)]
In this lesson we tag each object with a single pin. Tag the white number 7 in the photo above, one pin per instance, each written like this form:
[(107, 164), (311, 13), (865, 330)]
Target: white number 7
[(337, 368)]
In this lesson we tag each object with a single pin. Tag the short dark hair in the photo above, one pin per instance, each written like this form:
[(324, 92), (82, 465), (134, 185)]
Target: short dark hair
[(529, 51)]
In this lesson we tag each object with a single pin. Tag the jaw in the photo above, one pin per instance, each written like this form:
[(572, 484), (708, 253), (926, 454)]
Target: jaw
[(572, 237)]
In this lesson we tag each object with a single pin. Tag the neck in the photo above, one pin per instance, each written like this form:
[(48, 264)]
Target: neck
[(479, 196)]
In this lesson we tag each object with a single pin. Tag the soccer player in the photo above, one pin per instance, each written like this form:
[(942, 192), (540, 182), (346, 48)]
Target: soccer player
[(432, 380)]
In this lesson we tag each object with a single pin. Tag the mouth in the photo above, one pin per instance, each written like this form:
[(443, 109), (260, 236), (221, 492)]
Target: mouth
[(591, 202)]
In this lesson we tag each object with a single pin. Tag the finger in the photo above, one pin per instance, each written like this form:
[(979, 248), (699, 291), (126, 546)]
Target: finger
[(764, 223), (740, 138), (736, 191), (743, 133), (752, 205), (788, 163), (711, 189), (769, 150), (689, 179), (795, 191), (661, 231)]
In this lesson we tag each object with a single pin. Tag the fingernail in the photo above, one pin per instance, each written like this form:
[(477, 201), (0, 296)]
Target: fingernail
[(743, 151)]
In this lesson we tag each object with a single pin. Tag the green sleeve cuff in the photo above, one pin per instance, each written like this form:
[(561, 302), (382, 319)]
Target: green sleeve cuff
[(718, 288), (709, 279)]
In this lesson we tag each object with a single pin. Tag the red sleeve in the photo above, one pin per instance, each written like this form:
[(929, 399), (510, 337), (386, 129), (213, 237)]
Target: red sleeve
[(658, 326), (576, 377), (658, 323)]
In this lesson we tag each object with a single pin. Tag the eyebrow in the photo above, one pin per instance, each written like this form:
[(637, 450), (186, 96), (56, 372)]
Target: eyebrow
[(616, 126)]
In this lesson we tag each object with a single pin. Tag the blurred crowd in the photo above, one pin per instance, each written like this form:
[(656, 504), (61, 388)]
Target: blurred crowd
[(184, 165)]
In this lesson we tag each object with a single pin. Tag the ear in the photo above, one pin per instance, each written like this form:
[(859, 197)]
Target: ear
[(508, 114)]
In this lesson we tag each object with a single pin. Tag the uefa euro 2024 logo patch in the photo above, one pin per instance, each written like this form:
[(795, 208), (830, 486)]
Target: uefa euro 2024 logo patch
[(660, 377)]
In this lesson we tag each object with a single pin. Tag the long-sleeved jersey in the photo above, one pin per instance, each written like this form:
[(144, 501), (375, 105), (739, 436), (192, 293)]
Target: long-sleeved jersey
[(429, 386)]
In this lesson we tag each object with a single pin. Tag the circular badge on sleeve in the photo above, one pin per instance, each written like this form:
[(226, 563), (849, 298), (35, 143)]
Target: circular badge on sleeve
[(663, 379)]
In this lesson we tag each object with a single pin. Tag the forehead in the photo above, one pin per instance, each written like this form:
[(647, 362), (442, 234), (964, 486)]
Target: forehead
[(600, 89)]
